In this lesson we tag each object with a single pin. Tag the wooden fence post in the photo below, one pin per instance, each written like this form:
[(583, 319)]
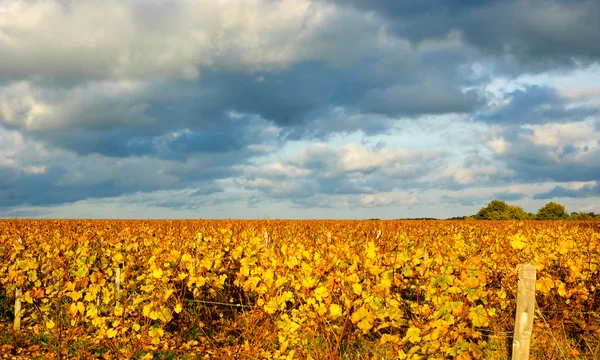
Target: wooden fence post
[(17, 324), (18, 295), (525, 311), (117, 284)]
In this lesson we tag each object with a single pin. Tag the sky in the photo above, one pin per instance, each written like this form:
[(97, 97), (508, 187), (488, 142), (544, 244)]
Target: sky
[(297, 109)]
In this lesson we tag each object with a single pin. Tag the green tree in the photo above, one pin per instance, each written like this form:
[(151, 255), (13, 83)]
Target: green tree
[(496, 210), (552, 211), (582, 216), (499, 210), (517, 213)]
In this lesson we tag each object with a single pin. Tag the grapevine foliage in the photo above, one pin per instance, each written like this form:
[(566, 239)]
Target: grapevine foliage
[(410, 289)]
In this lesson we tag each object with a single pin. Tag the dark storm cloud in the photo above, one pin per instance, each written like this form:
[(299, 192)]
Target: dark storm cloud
[(286, 98), (121, 120), (206, 189), (537, 105), (178, 97), (431, 97), (302, 96), (41, 189), (523, 35), (534, 164), (322, 176), (509, 196), (66, 178), (537, 162), (464, 200), (562, 192), (120, 142), (50, 189)]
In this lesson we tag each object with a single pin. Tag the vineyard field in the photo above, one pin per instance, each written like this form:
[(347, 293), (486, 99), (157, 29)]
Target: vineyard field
[(283, 289)]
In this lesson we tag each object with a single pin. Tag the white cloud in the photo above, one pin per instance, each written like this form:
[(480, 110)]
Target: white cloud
[(558, 135), (498, 145), (580, 93), (35, 169), (388, 199), (142, 87), (480, 174), (22, 155), (141, 39), (95, 105), (354, 158)]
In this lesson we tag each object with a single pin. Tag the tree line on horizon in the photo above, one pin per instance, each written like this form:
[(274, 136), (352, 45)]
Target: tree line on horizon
[(499, 210)]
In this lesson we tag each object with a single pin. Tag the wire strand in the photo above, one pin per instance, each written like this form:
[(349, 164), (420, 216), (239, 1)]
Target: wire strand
[(550, 331), (220, 303)]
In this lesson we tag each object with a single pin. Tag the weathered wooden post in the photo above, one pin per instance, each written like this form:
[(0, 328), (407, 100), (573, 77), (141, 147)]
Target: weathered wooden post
[(117, 283), (18, 295), (266, 235), (17, 324), (525, 311)]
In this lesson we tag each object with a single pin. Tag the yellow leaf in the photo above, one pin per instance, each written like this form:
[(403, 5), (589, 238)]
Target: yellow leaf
[(575, 271), (272, 306), (478, 316), (359, 314), (561, 289), (387, 338), (50, 324), (544, 285), (287, 296), (156, 332), (157, 273), (27, 298), (153, 315), (517, 244), (91, 311), (75, 295), (357, 288), (268, 277), (321, 309), (70, 286), (321, 293), (32, 275), (73, 309), (413, 335), (335, 310), (364, 325), (291, 355), (371, 251), (186, 257), (111, 333), (168, 293), (165, 315), (178, 308)]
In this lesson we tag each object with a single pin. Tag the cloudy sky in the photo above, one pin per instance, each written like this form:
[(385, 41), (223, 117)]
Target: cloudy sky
[(297, 108)]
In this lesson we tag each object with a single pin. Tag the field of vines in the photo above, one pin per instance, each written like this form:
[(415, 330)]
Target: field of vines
[(273, 289)]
